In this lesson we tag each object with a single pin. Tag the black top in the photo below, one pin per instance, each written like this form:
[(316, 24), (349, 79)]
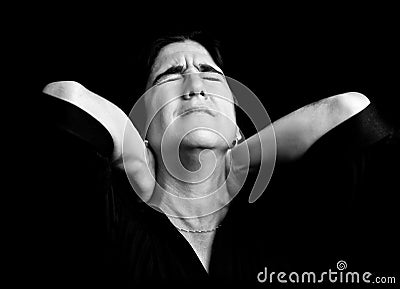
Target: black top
[(337, 203)]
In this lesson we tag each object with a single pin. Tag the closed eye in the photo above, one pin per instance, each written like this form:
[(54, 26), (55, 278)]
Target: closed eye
[(168, 79), (211, 78), (172, 71), (210, 73)]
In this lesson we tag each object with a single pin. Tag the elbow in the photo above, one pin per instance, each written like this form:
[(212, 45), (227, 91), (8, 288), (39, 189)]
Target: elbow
[(63, 89), (352, 102)]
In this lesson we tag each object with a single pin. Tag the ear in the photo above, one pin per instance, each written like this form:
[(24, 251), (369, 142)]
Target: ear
[(239, 135)]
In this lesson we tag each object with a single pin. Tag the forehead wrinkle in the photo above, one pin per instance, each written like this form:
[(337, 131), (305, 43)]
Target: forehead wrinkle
[(178, 57), (187, 46), (159, 63), (175, 59), (177, 54)]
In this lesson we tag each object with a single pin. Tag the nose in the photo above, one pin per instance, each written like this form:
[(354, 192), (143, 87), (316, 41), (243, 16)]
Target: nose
[(193, 86), (192, 93)]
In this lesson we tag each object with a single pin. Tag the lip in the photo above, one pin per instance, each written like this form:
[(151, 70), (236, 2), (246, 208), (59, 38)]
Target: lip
[(197, 109)]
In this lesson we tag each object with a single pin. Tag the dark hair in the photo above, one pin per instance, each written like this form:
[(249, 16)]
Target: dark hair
[(207, 40)]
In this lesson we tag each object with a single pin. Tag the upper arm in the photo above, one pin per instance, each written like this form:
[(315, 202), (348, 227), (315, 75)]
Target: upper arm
[(296, 132)]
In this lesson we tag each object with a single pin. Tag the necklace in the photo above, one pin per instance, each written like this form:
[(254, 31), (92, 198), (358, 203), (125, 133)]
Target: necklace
[(198, 231)]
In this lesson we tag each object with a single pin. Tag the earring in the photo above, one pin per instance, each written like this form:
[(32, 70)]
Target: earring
[(235, 142), (146, 143)]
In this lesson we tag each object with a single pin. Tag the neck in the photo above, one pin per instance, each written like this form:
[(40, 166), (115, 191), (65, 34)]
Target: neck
[(196, 198)]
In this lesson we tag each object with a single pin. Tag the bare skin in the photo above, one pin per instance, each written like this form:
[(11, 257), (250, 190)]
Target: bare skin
[(294, 134)]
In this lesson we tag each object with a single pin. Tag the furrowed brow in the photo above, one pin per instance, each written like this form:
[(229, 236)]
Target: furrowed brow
[(208, 68), (171, 70)]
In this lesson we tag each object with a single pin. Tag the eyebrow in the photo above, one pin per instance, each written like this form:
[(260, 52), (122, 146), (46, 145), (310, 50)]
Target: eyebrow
[(179, 69), (209, 68)]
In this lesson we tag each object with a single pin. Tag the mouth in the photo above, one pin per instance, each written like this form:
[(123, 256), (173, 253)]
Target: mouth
[(201, 109)]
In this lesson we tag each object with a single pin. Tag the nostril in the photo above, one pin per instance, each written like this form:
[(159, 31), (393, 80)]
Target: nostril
[(193, 94)]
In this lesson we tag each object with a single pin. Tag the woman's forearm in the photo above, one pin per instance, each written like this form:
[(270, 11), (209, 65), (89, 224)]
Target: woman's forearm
[(297, 131)]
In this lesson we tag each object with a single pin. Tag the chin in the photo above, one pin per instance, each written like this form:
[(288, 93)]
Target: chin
[(204, 139)]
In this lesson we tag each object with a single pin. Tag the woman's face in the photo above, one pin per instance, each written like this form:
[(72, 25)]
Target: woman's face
[(189, 99)]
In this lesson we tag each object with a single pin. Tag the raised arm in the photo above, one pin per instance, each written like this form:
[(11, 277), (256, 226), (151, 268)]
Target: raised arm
[(135, 158), (295, 133)]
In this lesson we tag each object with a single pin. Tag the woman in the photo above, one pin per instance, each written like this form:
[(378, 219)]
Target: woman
[(201, 235)]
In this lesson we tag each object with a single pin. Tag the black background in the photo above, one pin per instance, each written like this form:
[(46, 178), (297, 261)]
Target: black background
[(287, 58)]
